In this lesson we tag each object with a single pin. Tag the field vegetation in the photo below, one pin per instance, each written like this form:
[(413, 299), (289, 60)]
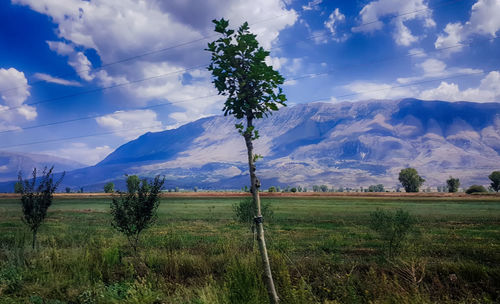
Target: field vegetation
[(322, 250)]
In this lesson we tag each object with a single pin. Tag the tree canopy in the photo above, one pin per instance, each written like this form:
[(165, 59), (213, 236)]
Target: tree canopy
[(410, 179), (495, 180)]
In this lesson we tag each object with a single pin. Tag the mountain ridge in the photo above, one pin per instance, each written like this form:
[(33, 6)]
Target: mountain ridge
[(341, 144)]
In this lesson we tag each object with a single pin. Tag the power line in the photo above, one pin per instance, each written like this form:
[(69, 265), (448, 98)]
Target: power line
[(309, 101), (127, 59), (105, 88), (103, 115), (213, 36), (213, 95), (205, 65)]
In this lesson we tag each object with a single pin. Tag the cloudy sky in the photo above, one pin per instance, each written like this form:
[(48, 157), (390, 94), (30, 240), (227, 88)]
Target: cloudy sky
[(78, 78)]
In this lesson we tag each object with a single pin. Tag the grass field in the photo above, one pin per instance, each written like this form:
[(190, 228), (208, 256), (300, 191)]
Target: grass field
[(320, 247)]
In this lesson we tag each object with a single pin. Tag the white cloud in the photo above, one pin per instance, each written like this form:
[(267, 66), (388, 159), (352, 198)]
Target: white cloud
[(331, 24), (13, 86), (417, 53), (487, 91), (118, 29), (77, 60), (371, 13), (82, 153), (276, 62), (14, 90), (131, 124), (52, 79), (312, 5), (484, 20), (432, 68), (371, 90)]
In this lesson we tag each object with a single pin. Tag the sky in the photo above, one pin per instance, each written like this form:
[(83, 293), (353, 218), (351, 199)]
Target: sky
[(79, 78)]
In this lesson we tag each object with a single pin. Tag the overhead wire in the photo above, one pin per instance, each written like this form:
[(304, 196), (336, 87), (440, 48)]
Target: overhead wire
[(304, 76), (145, 54), (316, 100)]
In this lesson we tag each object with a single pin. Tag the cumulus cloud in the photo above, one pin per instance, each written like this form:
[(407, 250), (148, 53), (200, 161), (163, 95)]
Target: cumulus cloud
[(143, 26), (131, 124), (371, 13), (483, 21), (14, 90), (52, 79), (82, 152), (487, 91)]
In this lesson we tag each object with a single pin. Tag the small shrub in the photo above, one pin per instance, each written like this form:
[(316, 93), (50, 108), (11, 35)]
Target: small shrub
[(36, 199), (392, 227), (271, 189), (245, 211), (476, 189), (136, 211)]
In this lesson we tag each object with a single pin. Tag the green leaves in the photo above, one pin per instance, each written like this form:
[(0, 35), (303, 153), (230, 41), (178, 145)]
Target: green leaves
[(240, 72)]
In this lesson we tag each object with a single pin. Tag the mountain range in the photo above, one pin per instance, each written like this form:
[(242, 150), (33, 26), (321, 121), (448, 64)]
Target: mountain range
[(348, 144)]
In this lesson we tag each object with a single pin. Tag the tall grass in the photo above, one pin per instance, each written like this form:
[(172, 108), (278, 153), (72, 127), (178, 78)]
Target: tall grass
[(323, 252)]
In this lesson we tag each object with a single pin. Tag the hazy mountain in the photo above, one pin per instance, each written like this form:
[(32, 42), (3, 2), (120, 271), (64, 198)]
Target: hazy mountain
[(13, 162), (343, 144)]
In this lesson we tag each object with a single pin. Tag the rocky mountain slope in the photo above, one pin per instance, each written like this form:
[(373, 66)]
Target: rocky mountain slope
[(343, 144)]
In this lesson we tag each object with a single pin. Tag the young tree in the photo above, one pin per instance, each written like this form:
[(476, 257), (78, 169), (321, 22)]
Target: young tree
[(495, 180), (252, 89), (410, 179), (68, 190), (36, 198), (136, 210), (18, 187), (453, 184), (109, 187), (133, 183), (393, 227)]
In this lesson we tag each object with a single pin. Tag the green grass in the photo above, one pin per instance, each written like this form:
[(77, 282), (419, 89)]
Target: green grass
[(321, 252)]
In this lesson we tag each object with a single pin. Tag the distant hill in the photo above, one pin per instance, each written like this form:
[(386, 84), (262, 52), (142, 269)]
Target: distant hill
[(13, 162), (342, 144)]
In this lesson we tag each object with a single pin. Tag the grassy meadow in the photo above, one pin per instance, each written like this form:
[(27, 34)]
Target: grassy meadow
[(321, 251)]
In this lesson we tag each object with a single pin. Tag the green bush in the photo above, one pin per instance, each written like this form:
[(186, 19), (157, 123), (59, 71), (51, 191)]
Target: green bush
[(245, 211), (271, 189), (136, 211), (392, 227), (476, 189), (109, 187)]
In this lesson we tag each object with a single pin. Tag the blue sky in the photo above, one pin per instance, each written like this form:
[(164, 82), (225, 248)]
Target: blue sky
[(73, 60)]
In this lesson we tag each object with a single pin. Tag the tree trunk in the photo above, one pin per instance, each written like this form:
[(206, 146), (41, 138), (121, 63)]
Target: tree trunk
[(254, 189)]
